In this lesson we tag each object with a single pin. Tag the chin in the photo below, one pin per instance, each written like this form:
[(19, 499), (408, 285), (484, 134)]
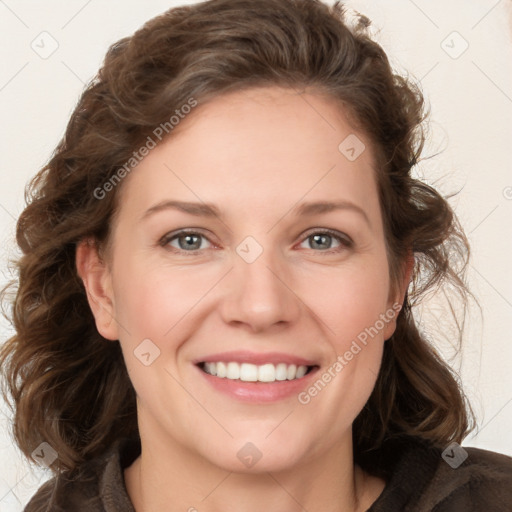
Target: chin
[(268, 463), (240, 455)]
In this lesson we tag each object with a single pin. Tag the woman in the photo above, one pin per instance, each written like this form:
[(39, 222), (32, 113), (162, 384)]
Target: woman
[(219, 267)]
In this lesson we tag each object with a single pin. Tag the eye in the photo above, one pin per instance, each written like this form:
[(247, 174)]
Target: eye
[(192, 241), (184, 241), (323, 240)]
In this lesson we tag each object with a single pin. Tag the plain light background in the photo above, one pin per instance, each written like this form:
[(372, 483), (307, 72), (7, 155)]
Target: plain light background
[(460, 52)]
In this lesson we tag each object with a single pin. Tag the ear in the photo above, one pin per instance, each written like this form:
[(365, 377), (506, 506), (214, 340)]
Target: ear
[(399, 297), (97, 280)]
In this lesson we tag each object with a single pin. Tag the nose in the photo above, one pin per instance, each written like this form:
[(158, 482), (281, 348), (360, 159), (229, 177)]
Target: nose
[(260, 295)]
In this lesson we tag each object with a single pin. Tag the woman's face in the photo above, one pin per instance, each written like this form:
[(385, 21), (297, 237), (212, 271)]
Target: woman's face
[(250, 244)]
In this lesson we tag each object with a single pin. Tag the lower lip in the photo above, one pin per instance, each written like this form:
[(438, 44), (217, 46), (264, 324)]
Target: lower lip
[(259, 392)]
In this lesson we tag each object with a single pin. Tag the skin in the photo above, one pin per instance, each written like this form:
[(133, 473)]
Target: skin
[(256, 155)]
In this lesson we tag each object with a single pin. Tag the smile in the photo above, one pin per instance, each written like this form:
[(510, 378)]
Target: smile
[(247, 372)]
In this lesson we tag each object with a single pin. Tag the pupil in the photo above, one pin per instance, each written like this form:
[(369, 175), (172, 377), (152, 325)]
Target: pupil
[(322, 240), (189, 241)]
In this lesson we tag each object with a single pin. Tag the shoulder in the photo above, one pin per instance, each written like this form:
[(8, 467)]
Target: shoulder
[(423, 478), (471, 479), (61, 493), (99, 486)]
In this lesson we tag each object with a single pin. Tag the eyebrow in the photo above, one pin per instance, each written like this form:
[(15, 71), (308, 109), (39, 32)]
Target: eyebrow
[(329, 206), (210, 210)]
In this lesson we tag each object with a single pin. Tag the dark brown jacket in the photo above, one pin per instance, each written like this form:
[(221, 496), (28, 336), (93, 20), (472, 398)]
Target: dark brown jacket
[(418, 479)]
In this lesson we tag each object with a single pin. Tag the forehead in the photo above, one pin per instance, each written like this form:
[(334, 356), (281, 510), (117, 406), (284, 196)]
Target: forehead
[(273, 119), (267, 145)]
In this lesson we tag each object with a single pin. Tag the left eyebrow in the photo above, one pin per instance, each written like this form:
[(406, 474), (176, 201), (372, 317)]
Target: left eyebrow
[(329, 206)]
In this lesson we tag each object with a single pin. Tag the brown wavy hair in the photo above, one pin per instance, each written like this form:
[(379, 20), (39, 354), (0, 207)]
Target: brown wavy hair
[(68, 385)]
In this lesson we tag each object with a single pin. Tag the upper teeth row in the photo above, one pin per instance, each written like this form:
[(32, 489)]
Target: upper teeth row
[(252, 373)]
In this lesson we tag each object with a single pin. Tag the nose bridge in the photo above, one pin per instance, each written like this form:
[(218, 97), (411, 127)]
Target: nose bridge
[(258, 294)]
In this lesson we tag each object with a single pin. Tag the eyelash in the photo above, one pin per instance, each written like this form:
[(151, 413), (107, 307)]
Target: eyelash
[(344, 240)]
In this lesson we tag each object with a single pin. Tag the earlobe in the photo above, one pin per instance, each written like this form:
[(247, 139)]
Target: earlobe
[(96, 277)]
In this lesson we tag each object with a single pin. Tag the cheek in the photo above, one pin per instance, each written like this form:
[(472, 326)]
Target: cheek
[(150, 309), (150, 298), (353, 312), (159, 303), (352, 299)]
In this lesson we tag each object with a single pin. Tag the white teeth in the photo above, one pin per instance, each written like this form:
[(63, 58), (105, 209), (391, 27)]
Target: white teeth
[(253, 373), (210, 368), (301, 371), (233, 371), (281, 371), (248, 372), (267, 373), (222, 370), (291, 372)]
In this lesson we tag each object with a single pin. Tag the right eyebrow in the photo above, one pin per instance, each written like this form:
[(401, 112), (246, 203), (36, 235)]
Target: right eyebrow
[(197, 209)]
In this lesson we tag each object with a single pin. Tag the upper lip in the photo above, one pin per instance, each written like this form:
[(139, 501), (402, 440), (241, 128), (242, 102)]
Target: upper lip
[(258, 358)]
